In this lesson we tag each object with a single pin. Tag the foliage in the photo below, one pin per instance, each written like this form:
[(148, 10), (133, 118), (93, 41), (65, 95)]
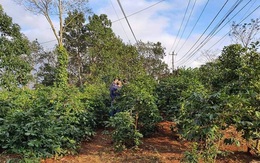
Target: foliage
[(209, 75), (245, 99), (202, 113), (44, 63), (137, 97), (171, 91), (42, 123), (230, 62), (224, 71), (102, 48), (14, 51), (61, 74), (96, 98), (237, 88), (248, 118), (125, 133), (152, 55), (46, 75), (47, 8), (198, 154), (77, 46), (96, 54), (108, 56), (191, 156), (52, 121), (201, 119)]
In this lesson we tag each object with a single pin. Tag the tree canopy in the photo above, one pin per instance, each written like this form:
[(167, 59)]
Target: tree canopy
[(14, 51)]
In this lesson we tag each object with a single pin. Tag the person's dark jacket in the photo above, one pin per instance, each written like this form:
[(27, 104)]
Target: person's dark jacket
[(113, 91)]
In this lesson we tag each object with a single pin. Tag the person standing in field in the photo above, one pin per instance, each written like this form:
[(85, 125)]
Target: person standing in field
[(114, 87)]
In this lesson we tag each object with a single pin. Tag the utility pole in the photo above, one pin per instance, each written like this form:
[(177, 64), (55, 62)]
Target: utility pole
[(172, 61)]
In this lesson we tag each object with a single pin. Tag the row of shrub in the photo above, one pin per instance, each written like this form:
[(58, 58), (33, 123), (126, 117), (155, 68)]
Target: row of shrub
[(50, 121), (138, 114), (206, 100), (46, 121)]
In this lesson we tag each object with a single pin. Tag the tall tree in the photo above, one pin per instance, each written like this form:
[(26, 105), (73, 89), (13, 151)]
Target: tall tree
[(152, 55), (223, 72), (246, 33), (76, 45), (103, 47), (109, 57), (96, 54), (209, 55), (14, 51), (47, 68), (50, 8)]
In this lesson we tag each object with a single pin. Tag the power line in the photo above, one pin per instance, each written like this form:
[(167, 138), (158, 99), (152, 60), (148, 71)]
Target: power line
[(121, 18), (194, 26), (213, 32), (127, 20), (47, 41), (230, 30), (181, 25), (138, 11), (250, 7), (210, 35), (238, 23), (230, 20), (204, 31), (119, 21), (186, 22)]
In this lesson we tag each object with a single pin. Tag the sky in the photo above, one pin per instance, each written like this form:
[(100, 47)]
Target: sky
[(187, 28)]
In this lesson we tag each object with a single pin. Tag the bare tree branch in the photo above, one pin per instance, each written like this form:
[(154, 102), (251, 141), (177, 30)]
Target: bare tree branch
[(50, 8), (245, 33)]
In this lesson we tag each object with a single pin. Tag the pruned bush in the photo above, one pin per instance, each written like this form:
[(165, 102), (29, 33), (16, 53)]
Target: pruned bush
[(172, 90), (138, 98), (96, 98), (44, 122), (125, 133)]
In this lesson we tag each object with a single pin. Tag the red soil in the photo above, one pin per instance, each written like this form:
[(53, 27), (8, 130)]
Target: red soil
[(164, 146)]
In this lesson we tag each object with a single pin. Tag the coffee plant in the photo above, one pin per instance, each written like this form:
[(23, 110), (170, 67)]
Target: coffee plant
[(170, 92), (125, 133), (44, 122), (138, 99)]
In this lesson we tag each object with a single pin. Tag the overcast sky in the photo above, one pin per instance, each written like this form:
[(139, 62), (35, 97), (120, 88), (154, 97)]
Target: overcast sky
[(179, 25)]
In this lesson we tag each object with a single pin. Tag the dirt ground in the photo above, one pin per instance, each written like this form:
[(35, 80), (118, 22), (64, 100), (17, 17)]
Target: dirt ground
[(162, 147)]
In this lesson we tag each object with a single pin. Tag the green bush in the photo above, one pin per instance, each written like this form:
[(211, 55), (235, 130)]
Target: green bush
[(172, 90), (44, 122), (125, 133), (97, 98), (200, 116), (137, 97)]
